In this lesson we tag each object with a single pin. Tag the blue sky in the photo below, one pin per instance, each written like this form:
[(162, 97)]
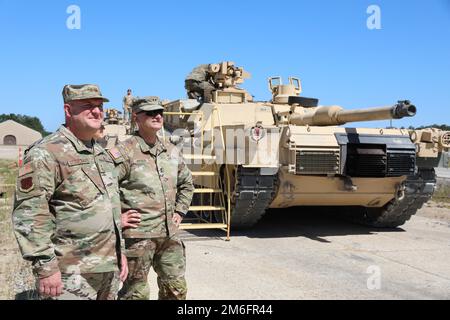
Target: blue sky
[(150, 46)]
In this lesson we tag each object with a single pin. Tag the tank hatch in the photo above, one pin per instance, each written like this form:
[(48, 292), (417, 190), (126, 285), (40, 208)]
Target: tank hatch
[(289, 93)]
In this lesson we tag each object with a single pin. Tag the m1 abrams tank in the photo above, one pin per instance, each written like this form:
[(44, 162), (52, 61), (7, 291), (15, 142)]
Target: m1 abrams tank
[(115, 128), (291, 152)]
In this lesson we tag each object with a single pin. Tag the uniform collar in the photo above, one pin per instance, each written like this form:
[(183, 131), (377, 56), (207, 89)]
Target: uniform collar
[(155, 150), (77, 143)]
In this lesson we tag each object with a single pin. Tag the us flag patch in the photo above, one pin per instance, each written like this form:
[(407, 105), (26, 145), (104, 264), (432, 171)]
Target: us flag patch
[(115, 153)]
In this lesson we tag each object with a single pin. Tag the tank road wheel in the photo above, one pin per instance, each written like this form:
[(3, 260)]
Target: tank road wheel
[(251, 194), (418, 190)]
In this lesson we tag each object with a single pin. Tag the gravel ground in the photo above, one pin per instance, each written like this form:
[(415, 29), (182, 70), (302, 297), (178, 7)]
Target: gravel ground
[(308, 256), (296, 254), (315, 255)]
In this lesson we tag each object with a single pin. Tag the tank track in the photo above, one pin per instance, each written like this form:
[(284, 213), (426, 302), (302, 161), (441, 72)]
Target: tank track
[(252, 195), (418, 190)]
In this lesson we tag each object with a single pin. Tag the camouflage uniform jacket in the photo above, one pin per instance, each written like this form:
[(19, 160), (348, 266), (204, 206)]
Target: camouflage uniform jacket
[(67, 207), (127, 101), (156, 182), (199, 73)]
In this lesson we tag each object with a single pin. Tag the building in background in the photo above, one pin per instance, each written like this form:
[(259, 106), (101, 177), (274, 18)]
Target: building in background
[(13, 136)]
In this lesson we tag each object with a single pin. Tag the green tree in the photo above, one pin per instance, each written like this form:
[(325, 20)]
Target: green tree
[(30, 122), (444, 127)]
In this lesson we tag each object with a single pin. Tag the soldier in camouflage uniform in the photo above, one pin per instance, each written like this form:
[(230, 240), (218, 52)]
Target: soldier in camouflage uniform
[(126, 102), (156, 190), (197, 83), (66, 217)]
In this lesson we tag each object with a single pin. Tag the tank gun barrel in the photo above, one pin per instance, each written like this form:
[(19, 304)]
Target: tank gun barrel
[(336, 115)]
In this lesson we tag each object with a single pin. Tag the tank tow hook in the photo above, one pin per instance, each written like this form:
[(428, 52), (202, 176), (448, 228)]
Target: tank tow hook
[(400, 194), (348, 184)]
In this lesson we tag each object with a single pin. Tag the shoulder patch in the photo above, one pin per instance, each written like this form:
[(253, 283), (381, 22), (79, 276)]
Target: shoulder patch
[(26, 184), (115, 153), (26, 169)]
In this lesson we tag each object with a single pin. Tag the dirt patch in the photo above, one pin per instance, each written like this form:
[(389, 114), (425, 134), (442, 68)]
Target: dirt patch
[(442, 193), (439, 206), (435, 210)]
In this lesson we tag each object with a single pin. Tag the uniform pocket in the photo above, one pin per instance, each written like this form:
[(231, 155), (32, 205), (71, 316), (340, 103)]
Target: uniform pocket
[(140, 170), (79, 188), (109, 177), (138, 247)]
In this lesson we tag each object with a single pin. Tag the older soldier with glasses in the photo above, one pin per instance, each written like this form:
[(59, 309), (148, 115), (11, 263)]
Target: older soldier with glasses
[(156, 190), (67, 217)]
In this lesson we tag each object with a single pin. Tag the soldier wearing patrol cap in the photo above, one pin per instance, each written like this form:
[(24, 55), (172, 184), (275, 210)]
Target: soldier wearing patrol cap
[(66, 216), (156, 190), (127, 101)]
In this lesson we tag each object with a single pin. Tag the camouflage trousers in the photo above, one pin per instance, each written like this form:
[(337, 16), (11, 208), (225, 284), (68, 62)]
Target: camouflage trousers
[(168, 258), (89, 286), (126, 115)]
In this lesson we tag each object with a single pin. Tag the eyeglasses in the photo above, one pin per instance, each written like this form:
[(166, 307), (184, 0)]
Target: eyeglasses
[(92, 106), (153, 113)]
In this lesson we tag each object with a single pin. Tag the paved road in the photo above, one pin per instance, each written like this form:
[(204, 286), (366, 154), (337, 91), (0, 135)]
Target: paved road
[(317, 256)]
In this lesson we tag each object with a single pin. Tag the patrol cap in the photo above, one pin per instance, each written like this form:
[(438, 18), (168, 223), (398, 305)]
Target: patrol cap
[(146, 104), (73, 92)]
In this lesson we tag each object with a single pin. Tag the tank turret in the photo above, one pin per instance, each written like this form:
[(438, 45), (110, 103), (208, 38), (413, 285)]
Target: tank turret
[(305, 111)]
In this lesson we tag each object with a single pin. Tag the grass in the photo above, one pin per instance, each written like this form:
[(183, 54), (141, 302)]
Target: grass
[(442, 194), (11, 262), (8, 171), (8, 174)]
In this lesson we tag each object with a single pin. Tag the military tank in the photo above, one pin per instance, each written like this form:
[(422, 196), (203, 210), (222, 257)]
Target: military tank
[(291, 151), (114, 128)]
